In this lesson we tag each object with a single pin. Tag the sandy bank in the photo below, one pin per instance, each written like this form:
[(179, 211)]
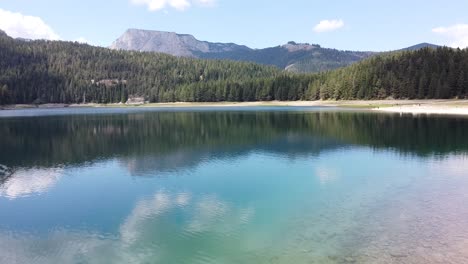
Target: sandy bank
[(179, 104), (414, 109), (439, 107), (453, 107)]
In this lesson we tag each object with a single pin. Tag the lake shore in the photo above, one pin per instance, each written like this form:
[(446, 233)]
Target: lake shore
[(451, 107), (439, 107)]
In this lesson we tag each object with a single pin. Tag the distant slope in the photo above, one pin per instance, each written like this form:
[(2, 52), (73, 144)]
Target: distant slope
[(421, 46), (291, 56), (295, 57)]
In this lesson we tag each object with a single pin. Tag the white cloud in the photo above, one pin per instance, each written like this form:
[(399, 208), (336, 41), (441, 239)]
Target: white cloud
[(457, 34), (156, 5), (329, 25), (17, 25)]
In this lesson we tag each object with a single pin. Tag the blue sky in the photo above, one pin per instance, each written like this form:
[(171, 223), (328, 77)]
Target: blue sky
[(353, 25)]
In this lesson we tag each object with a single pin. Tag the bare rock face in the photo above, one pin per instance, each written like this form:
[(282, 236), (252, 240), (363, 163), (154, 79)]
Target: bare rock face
[(181, 45), (293, 46)]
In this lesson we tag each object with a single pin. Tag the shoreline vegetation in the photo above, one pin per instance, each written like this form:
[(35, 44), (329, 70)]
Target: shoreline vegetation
[(439, 106)]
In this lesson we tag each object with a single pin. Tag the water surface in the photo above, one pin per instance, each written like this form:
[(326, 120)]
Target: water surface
[(232, 185)]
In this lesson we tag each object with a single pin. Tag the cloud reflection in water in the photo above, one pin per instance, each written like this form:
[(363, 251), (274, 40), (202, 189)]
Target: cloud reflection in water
[(27, 182), (143, 226)]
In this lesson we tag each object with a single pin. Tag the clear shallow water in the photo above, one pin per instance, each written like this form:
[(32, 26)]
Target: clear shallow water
[(267, 185)]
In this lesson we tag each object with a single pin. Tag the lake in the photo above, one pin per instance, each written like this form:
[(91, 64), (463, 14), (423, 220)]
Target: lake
[(232, 185)]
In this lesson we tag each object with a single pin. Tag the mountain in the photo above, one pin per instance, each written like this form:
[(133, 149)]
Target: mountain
[(3, 34), (182, 45), (420, 46), (294, 57)]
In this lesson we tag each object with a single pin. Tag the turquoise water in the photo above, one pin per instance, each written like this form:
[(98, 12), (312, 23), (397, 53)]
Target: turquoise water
[(232, 185)]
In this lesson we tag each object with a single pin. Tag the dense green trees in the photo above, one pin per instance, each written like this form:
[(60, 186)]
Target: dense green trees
[(65, 72), (54, 72), (424, 74)]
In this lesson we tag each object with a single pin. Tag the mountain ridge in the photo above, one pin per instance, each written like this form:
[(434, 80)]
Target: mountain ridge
[(420, 46), (292, 56)]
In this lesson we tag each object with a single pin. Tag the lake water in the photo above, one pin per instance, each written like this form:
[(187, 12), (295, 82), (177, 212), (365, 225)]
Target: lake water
[(232, 185)]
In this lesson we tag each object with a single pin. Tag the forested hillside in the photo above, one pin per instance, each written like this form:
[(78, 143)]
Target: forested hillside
[(64, 72), (422, 74)]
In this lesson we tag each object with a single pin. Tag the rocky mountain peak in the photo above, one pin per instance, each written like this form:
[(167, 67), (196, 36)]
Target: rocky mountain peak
[(183, 45)]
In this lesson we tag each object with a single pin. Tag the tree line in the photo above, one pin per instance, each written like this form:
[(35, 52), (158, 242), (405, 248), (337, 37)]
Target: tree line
[(67, 72)]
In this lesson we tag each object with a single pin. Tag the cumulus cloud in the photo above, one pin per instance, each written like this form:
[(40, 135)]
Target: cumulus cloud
[(457, 34), (18, 25), (156, 5), (329, 25)]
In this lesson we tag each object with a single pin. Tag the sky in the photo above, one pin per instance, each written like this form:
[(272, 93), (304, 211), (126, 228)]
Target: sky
[(367, 25)]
